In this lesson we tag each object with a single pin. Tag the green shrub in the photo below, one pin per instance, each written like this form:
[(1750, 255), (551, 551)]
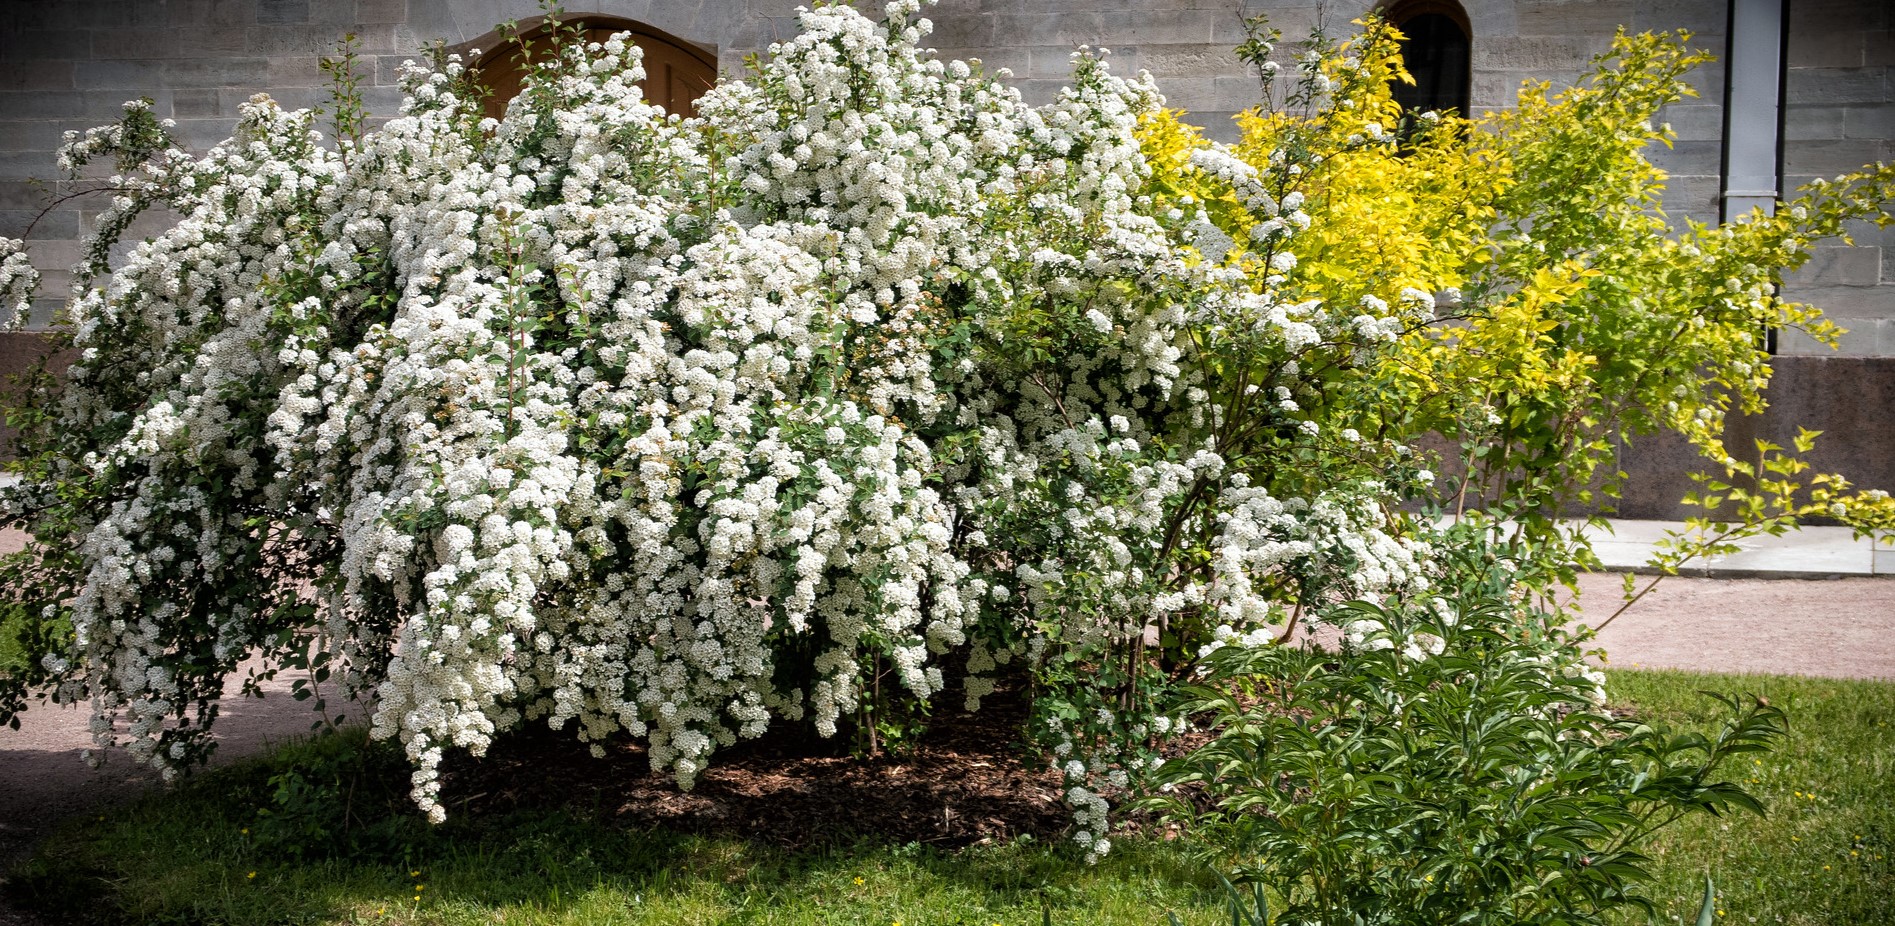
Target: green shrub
[(1449, 764)]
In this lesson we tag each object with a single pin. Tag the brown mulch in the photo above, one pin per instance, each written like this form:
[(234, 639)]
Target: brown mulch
[(964, 782)]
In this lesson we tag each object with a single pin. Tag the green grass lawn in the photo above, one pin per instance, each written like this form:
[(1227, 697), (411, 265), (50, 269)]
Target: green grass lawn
[(199, 854), (1824, 855)]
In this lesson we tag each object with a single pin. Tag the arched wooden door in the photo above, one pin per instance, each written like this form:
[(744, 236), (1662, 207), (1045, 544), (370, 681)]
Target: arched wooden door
[(676, 72)]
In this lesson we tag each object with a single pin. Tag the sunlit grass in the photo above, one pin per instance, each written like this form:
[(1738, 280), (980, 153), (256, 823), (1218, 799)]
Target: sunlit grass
[(1823, 855)]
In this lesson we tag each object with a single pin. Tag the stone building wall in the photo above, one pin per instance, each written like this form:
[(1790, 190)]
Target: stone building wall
[(69, 64)]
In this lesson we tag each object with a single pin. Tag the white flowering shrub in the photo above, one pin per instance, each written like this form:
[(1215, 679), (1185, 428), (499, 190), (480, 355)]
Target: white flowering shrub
[(863, 384)]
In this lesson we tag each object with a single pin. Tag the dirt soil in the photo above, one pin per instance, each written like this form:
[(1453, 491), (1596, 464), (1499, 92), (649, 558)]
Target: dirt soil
[(963, 786)]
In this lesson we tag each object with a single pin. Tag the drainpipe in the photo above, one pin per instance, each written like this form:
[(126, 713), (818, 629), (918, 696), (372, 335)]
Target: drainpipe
[(1754, 53)]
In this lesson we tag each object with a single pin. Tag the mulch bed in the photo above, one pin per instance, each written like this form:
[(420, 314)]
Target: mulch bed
[(964, 782)]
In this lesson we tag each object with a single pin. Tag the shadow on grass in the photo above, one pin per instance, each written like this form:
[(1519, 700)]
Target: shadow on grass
[(322, 832)]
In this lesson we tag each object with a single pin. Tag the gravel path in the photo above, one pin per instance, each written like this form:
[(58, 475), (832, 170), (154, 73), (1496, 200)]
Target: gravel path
[(1841, 628)]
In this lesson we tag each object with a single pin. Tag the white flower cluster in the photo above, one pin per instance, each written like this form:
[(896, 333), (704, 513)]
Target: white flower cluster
[(638, 424), (19, 282)]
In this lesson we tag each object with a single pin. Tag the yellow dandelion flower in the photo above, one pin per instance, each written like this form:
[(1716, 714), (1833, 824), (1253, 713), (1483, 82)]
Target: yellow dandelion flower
[(251, 876)]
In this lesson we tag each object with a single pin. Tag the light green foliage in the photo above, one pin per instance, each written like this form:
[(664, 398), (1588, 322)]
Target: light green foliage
[(1575, 316)]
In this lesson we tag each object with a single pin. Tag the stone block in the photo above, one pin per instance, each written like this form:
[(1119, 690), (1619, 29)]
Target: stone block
[(332, 12), (378, 38), (224, 40), (1866, 15), (1812, 122), (1036, 29), (1844, 302), (282, 12), (201, 134), (50, 45), (1537, 53), (24, 194), (297, 71), (231, 12), (150, 15), (1708, 80), (1296, 23), (1087, 6), (1013, 61), (24, 76), (1037, 91), (144, 44), (956, 30), (1172, 27), (1569, 17), (1699, 17), (54, 255), (47, 308), (202, 12), (381, 11), (1693, 158), (174, 13), (1820, 86), (1839, 265), (1055, 63), (1846, 399), (197, 103), (1496, 89), (36, 135), (1878, 48), (1833, 46), (383, 101), (218, 72), (55, 104), (119, 75), (272, 41), (1858, 339), (1217, 126), (1691, 196), (52, 226), (1196, 95), (15, 17), (1169, 61), (1809, 159), (1694, 121), (1885, 338), (307, 98), (1869, 121)]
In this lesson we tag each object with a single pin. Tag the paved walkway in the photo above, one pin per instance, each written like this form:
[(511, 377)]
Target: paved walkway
[(1808, 553)]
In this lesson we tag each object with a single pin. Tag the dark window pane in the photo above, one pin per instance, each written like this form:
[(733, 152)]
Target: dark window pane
[(1436, 52)]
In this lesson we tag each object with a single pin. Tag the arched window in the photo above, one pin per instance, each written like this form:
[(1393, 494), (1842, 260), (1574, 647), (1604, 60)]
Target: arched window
[(677, 72), (1437, 50)]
